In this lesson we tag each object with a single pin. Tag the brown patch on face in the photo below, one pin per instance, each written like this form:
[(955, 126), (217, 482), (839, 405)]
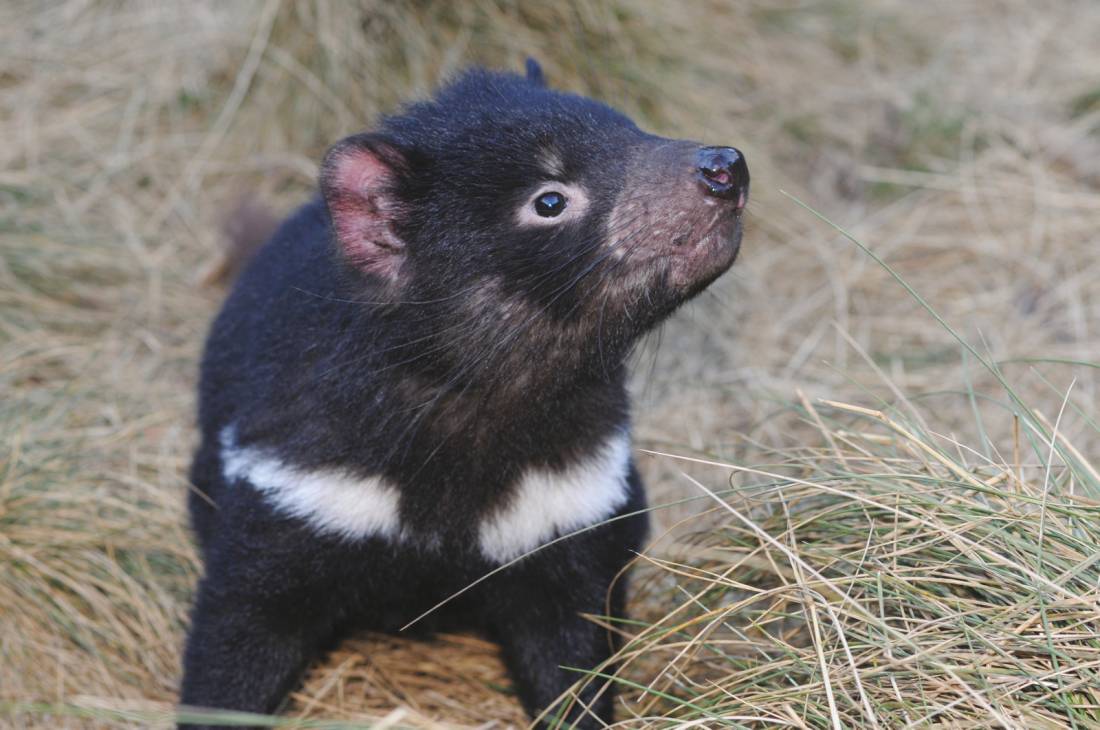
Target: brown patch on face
[(551, 163), (664, 227)]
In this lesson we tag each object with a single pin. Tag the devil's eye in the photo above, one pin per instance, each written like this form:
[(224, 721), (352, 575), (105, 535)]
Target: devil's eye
[(550, 205)]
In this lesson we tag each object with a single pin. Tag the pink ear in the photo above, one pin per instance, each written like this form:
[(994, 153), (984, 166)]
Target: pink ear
[(357, 180)]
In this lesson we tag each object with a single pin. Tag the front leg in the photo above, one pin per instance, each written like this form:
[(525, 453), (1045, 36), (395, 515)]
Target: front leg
[(268, 604), (546, 639), (537, 611), (246, 651)]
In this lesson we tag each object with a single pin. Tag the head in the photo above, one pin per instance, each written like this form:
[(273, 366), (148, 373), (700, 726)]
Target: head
[(530, 220)]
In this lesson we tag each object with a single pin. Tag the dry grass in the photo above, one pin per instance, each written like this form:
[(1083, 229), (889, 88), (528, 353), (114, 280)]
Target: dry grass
[(930, 559)]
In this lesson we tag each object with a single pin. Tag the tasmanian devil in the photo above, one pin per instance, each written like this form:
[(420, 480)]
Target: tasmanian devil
[(421, 377)]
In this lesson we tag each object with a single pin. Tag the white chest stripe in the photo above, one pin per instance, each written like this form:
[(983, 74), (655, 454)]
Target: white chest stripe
[(330, 500), (547, 503), (544, 504)]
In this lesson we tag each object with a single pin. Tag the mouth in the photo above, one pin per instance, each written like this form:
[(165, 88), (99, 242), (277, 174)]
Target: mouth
[(652, 280), (698, 260)]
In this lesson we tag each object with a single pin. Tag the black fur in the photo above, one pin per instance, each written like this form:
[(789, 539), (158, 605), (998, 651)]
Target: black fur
[(475, 350)]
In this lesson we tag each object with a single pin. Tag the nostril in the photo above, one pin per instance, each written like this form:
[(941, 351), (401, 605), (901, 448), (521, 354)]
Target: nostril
[(717, 174), (723, 172)]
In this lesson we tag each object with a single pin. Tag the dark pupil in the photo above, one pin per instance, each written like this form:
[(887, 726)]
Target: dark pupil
[(550, 205)]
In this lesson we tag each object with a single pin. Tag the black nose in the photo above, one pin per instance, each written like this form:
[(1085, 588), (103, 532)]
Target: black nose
[(724, 174)]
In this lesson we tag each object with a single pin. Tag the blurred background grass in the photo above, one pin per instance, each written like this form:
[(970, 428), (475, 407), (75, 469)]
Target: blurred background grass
[(929, 561)]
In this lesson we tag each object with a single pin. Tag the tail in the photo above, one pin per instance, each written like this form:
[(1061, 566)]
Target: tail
[(247, 227)]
